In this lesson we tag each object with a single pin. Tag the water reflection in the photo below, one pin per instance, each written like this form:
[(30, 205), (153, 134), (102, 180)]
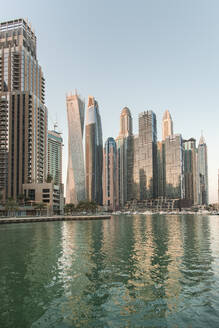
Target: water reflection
[(131, 271)]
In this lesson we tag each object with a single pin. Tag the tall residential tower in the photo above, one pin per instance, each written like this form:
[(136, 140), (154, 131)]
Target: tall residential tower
[(55, 144), (174, 186), (190, 170), (94, 152), (147, 152), (110, 197), (167, 125), (75, 184), (23, 128), (202, 172), (124, 144)]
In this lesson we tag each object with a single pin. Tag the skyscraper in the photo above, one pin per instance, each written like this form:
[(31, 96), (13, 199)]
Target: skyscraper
[(147, 155), (125, 123), (125, 157), (174, 167), (160, 168), (202, 172), (110, 174), (190, 170), (218, 190), (55, 144), (23, 128), (94, 152), (75, 184), (167, 125)]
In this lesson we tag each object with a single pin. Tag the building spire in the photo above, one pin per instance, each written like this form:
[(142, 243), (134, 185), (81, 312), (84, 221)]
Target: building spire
[(167, 125), (202, 139), (125, 122)]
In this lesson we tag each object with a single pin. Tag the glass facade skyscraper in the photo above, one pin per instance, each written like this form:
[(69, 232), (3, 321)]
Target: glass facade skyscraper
[(94, 152), (147, 155), (55, 144), (174, 167), (202, 172), (110, 197), (75, 184), (190, 170), (23, 129), (161, 168), (125, 157)]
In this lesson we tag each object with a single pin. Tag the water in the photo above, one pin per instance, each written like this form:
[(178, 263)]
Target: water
[(131, 271)]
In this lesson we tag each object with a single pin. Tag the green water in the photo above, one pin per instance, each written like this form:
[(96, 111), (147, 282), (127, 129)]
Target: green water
[(131, 271)]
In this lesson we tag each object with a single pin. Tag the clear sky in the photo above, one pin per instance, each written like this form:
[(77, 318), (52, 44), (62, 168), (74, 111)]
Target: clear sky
[(147, 55)]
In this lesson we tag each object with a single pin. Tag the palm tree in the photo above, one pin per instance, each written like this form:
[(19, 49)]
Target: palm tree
[(11, 206), (93, 207), (86, 206), (69, 208), (21, 199), (39, 207)]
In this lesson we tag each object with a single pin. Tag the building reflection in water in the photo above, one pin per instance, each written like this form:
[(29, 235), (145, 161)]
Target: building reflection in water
[(120, 272)]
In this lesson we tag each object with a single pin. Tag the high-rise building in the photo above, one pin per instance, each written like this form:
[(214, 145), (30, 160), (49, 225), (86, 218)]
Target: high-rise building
[(23, 127), (125, 123), (202, 172), (75, 184), (218, 190), (125, 157), (174, 167), (110, 174), (190, 170), (160, 169), (55, 144), (167, 125), (94, 152), (147, 155)]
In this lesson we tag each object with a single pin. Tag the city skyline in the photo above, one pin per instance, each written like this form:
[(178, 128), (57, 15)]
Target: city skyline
[(182, 81)]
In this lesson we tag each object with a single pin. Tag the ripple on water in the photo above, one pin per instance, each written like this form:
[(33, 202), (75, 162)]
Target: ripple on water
[(135, 271)]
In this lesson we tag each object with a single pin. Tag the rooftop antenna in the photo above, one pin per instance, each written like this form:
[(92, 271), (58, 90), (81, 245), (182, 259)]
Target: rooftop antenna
[(55, 125)]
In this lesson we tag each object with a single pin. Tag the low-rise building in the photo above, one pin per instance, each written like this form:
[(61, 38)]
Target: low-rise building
[(48, 193)]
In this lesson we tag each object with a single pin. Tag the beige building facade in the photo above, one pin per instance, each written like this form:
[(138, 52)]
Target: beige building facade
[(75, 183), (110, 190), (167, 125), (125, 157), (93, 152), (47, 193), (23, 128)]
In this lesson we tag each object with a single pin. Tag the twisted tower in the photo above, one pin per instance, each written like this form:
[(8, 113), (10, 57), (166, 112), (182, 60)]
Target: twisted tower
[(75, 185)]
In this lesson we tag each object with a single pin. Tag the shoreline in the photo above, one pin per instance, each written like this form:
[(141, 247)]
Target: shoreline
[(54, 218)]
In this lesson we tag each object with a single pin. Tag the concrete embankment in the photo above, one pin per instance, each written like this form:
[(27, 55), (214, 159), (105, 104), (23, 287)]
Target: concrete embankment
[(54, 218)]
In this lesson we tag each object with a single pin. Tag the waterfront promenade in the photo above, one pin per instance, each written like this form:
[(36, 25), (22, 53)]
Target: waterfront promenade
[(53, 218)]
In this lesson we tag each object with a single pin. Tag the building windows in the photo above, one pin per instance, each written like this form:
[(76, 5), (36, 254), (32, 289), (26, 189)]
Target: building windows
[(46, 195), (31, 194)]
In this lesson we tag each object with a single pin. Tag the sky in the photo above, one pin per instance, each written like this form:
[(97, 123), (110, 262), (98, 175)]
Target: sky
[(146, 55)]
